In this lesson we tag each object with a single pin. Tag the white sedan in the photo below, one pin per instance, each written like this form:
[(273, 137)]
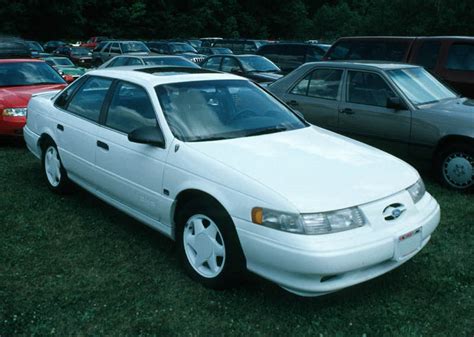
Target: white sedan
[(234, 176)]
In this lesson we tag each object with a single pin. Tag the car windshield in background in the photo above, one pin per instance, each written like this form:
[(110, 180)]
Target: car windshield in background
[(134, 47), (222, 109), (35, 46), (170, 61), (62, 61), (182, 48), (258, 64), (420, 86), (80, 51), (28, 73)]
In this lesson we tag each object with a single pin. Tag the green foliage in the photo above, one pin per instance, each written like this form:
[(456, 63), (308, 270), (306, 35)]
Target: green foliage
[(291, 19)]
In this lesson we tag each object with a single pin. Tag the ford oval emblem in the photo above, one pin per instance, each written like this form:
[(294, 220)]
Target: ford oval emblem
[(393, 211)]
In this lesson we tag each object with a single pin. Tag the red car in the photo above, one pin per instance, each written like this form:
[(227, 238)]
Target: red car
[(93, 41), (19, 79)]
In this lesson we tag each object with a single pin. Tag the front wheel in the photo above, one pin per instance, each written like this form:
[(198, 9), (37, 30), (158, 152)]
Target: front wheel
[(54, 172), (208, 245), (455, 165)]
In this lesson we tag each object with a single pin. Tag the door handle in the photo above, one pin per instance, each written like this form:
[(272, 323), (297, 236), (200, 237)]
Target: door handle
[(60, 127), (346, 111), (102, 145), (292, 102)]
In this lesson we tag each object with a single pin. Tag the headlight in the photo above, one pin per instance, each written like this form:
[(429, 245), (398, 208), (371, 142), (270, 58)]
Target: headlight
[(311, 224), (14, 112), (417, 190)]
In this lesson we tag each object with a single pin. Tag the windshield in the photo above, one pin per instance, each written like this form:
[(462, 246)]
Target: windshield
[(170, 61), (134, 47), (80, 51), (420, 86), (182, 48), (258, 63), (28, 73), (222, 109), (63, 61)]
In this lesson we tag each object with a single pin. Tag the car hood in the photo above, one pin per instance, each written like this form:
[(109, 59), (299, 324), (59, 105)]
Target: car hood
[(314, 169), (18, 97), (265, 76), (458, 106), (71, 70), (191, 55)]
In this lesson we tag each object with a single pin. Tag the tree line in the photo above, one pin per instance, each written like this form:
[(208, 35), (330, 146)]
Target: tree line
[(264, 19)]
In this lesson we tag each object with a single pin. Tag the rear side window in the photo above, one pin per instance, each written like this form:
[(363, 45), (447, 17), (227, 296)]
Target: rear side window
[(321, 83), (88, 100), (67, 93), (133, 61), (368, 88), (213, 63), (119, 61), (461, 57), (130, 109), (115, 48), (428, 54)]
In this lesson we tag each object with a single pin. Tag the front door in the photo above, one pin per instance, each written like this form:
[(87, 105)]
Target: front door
[(130, 173), (364, 114)]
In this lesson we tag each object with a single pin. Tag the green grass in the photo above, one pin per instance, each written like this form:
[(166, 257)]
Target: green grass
[(72, 265)]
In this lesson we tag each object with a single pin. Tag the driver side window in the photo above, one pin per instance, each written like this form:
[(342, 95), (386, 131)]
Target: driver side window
[(368, 88), (130, 109)]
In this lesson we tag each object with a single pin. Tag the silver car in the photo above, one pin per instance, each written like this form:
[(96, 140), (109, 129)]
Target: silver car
[(399, 108)]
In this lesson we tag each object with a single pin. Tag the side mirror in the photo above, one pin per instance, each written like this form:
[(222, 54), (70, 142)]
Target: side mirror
[(150, 135), (395, 103)]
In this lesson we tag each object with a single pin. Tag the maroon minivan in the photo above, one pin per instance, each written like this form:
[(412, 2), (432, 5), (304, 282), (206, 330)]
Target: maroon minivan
[(450, 58)]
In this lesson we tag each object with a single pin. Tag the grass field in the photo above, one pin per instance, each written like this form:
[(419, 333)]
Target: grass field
[(75, 266)]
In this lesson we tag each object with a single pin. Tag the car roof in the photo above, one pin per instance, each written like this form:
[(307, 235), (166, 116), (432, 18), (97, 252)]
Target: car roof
[(156, 75), (382, 65)]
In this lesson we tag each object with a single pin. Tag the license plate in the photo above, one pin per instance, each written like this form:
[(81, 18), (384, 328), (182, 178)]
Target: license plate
[(408, 243)]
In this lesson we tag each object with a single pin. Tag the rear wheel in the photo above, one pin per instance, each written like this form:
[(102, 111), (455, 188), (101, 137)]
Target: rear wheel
[(455, 166), (208, 245), (54, 172)]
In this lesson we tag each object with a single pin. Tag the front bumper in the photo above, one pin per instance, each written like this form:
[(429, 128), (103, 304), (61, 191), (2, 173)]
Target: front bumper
[(319, 264)]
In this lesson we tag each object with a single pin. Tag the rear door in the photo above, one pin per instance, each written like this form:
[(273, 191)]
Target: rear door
[(77, 127), (364, 115), (130, 173), (317, 95)]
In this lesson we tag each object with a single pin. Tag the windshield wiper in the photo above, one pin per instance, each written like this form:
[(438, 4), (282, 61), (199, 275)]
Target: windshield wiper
[(267, 131), (208, 139)]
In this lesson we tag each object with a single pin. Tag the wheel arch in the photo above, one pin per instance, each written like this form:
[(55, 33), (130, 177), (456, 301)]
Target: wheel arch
[(186, 195), (44, 139), (451, 139)]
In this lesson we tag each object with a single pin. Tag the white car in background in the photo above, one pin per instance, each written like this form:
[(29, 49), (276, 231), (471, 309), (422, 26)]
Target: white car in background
[(234, 176)]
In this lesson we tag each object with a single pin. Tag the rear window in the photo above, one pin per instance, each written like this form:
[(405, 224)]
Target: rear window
[(461, 57)]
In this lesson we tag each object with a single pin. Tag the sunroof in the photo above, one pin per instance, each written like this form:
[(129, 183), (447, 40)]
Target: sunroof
[(168, 71)]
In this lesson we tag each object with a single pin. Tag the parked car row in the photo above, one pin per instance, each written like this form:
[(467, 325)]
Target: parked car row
[(254, 176)]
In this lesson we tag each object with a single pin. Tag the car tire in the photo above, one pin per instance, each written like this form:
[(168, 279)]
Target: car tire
[(53, 169), (455, 166), (208, 246)]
